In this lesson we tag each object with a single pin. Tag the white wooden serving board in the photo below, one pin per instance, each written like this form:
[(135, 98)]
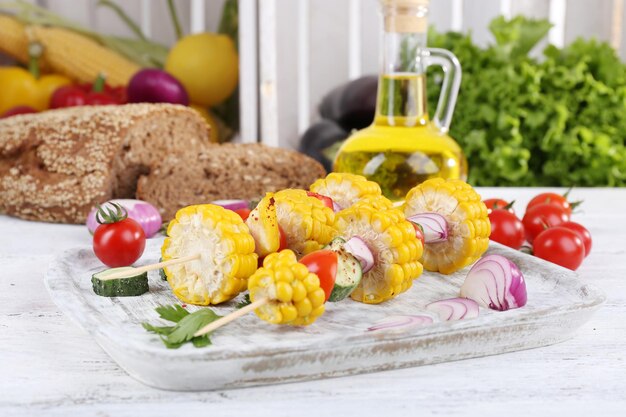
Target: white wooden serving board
[(251, 352)]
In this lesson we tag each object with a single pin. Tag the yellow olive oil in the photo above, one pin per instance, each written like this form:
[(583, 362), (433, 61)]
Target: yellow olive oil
[(402, 148)]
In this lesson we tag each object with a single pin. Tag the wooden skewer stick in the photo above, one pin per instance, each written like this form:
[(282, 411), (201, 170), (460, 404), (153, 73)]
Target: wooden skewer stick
[(146, 268), (232, 316)]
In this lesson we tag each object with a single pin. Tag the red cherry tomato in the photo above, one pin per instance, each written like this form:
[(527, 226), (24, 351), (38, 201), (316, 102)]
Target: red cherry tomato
[(243, 213), (506, 229), (323, 263), (14, 111), (120, 243), (552, 199), (328, 202), (560, 246), (542, 216), (582, 232), (68, 96), (498, 204), (100, 99), (419, 232)]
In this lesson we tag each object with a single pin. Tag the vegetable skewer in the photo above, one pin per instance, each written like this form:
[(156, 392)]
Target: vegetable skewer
[(232, 316), (127, 273)]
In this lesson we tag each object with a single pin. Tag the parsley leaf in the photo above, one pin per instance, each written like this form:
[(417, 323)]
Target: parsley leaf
[(184, 329), (186, 325), (173, 313)]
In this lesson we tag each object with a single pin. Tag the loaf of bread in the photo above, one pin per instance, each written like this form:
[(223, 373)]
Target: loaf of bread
[(228, 171), (56, 165)]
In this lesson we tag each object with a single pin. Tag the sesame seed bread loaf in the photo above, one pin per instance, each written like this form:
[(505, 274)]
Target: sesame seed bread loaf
[(228, 171), (56, 165)]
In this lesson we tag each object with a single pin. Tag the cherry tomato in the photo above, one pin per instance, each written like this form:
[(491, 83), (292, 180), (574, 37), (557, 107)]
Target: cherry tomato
[(498, 204), (120, 243), (68, 96), (328, 202), (553, 199), (243, 213), (14, 111), (506, 229), (582, 232), (323, 263), (560, 246), (419, 232), (542, 216)]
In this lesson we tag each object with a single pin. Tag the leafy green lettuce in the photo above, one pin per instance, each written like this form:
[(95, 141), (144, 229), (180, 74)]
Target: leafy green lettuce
[(559, 120)]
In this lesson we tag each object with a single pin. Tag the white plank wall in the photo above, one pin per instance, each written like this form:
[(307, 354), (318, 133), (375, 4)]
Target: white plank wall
[(311, 40)]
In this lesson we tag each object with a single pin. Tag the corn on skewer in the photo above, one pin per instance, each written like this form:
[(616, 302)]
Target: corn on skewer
[(227, 259), (282, 291), (152, 267), (393, 243), (465, 218), (306, 222), (346, 189)]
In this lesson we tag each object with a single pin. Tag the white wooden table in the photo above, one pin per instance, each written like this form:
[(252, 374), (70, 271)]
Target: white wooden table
[(48, 366)]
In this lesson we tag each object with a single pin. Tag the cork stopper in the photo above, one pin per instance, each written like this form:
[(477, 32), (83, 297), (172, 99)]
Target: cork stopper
[(405, 16)]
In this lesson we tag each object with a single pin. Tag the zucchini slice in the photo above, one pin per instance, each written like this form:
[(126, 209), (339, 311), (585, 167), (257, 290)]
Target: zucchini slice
[(162, 273), (349, 272), (121, 287)]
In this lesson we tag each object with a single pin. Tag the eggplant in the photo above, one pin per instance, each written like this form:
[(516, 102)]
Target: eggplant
[(352, 105), (319, 137)]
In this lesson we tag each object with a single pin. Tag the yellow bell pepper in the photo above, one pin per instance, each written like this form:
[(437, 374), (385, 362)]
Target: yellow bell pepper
[(18, 87)]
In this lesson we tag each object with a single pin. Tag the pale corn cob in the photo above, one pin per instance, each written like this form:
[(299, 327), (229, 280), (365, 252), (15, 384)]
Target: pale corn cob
[(295, 295), (306, 221), (394, 245), (466, 215), (82, 59), (227, 254), (346, 189)]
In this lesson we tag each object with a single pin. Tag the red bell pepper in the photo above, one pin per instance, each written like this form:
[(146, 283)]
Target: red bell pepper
[(98, 94)]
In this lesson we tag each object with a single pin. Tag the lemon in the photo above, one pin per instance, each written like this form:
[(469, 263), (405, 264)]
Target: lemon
[(207, 65)]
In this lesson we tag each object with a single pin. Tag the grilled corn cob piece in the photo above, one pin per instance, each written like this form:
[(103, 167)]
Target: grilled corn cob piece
[(346, 189), (466, 215), (226, 251), (296, 297), (83, 59), (306, 222), (394, 245)]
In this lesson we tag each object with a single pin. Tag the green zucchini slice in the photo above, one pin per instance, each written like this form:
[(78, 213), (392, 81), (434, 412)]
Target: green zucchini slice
[(121, 287)]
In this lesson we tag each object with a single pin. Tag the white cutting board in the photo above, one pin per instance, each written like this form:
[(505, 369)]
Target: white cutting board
[(251, 352)]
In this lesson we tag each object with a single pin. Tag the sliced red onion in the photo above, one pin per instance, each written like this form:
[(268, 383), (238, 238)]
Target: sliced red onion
[(232, 204), (454, 309), (495, 282), (359, 249), (142, 212), (336, 207), (400, 322), (435, 226)]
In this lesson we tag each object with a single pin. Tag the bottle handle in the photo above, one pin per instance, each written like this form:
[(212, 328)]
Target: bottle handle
[(450, 86)]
